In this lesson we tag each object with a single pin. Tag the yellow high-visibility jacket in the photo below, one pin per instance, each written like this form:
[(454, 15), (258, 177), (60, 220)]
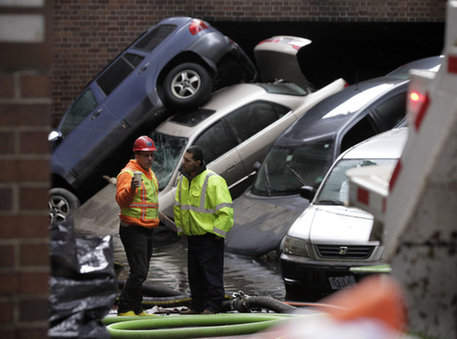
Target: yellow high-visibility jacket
[(203, 205)]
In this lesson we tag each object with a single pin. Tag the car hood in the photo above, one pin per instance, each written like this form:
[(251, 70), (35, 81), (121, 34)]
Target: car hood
[(276, 58), (336, 224), (261, 222)]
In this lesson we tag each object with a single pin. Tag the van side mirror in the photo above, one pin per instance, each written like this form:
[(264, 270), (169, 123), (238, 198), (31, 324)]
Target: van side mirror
[(307, 192)]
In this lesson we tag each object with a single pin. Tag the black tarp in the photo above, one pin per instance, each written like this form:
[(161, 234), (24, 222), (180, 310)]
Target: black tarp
[(83, 284)]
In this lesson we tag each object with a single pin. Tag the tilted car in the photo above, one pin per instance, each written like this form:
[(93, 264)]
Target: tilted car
[(303, 153), (175, 64), (329, 237)]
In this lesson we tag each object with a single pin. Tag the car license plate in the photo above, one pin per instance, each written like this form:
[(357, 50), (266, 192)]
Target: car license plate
[(337, 283)]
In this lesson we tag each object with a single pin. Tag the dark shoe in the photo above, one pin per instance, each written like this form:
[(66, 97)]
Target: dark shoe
[(189, 311), (207, 311)]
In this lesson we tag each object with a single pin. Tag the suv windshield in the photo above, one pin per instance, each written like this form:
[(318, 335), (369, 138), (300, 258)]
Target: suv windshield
[(286, 169), (336, 187), (168, 155)]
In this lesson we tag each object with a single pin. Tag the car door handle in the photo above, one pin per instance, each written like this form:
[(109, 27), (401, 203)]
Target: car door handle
[(144, 67), (96, 114)]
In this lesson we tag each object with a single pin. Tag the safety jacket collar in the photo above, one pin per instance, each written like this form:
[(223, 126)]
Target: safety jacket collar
[(200, 171)]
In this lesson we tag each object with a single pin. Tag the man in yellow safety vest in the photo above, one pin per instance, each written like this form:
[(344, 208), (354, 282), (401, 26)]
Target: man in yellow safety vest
[(203, 212), (137, 196)]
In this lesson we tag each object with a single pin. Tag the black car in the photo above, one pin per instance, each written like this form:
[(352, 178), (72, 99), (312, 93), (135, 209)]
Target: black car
[(305, 151)]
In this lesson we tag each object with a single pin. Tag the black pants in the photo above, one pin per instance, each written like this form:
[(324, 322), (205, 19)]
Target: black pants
[(137, 242), (205, 264)]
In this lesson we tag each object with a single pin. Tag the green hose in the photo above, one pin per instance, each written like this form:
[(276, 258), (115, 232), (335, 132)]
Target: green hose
[(192, 326)]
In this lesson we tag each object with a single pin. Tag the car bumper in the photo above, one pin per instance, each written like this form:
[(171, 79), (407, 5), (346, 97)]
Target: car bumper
[(310, 280)]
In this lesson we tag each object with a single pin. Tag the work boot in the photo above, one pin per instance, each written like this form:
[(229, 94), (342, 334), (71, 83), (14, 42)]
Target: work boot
[(126, 314), (142, 314)]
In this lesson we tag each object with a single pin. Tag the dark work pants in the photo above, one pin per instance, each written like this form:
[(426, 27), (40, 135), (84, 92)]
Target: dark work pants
[(137, 242), (205, 264)]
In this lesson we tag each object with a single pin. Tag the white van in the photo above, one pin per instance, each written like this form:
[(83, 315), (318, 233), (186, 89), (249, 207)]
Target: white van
[(329, 237)]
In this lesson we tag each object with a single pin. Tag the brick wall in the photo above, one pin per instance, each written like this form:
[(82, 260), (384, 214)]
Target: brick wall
[(25, 106), (90, 33)]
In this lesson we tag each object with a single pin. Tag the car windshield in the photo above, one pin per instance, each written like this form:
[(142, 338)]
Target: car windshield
[(78, 111), (335, 190), (167, 157), (286, 169)]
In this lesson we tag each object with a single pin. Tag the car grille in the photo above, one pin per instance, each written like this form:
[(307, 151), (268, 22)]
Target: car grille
[(342, 251)]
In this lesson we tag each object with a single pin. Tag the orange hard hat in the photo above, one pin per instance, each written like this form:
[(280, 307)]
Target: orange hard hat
[(144, 144)]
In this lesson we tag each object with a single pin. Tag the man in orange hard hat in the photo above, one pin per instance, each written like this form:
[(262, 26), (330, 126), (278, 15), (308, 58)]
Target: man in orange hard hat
[(137, 196)]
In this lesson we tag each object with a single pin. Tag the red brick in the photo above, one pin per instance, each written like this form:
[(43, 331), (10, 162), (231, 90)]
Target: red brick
[(23, 170), (7, 142), (6, 198), (19, 115), (7, 313), (6, 86), (33, 283), (35, 86), (34, 254), (34, 332), (8, 283), (33, 198), (24, 226), (34, 142), (6, 256), (34, 309), (7, 333)]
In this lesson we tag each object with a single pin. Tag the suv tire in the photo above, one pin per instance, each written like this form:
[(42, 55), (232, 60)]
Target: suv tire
[(187, 85), (61, 204)]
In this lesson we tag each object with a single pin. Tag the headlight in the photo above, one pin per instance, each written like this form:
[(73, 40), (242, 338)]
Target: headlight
[(294, 246)]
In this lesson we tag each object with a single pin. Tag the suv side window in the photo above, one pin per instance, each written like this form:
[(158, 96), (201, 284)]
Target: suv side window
[(389, 112), (118, 71), (254, 117), (78, 111), (216, 140), (360, 131)]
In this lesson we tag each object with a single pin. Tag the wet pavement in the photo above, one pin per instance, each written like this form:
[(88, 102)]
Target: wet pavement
[(257, 277)]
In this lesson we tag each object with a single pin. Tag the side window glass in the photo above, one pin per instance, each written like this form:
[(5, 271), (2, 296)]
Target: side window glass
[(78, 111), (216, 140), (359, 132), (118, 71), (389, 112), (252, 118)]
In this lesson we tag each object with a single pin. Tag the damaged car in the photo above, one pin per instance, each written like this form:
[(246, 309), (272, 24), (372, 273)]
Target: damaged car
[(303, 153), (174, 65)]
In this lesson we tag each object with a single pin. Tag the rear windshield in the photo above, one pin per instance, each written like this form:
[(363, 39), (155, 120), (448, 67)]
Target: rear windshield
[(154, 37)]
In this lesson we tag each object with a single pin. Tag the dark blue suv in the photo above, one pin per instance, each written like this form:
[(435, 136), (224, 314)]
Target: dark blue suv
[(174, 65)]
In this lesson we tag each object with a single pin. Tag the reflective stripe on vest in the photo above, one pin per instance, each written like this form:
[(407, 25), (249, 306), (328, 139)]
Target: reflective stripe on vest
[(201, 208), (141, 207)]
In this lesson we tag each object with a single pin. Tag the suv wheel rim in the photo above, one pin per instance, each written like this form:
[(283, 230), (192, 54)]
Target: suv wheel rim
[(59, 208), (185, 84)]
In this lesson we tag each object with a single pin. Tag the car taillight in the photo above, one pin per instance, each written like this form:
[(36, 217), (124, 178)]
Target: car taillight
[(197, 26)]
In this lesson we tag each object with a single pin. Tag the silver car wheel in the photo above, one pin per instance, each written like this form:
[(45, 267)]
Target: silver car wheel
[(185, 84)]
